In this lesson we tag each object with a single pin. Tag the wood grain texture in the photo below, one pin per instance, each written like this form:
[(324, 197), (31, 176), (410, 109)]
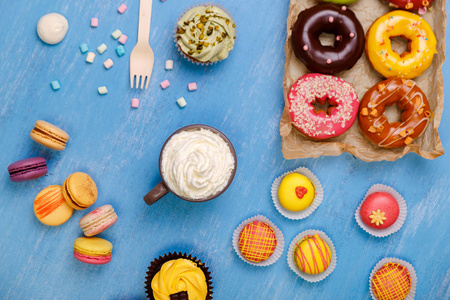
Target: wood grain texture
[(119, 147)]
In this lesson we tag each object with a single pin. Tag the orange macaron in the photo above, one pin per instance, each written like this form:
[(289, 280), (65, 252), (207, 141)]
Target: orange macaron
[(50, 207), (49, 135), (80, 191)]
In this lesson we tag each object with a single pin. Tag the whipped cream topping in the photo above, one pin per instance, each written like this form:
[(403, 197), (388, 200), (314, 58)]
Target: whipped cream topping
[(197, 164), (52, 28)]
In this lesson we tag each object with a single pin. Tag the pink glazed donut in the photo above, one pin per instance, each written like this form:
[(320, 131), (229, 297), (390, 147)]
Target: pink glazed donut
[(317, 88)]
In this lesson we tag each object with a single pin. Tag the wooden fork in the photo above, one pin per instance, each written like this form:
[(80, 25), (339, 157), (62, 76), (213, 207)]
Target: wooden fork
[(142, 57)]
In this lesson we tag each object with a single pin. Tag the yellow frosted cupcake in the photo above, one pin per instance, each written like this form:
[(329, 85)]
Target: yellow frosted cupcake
[(296, 192), (178, 276)]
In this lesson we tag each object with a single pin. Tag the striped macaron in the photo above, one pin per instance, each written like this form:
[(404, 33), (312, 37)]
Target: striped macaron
[(98, 220), (50, 207)]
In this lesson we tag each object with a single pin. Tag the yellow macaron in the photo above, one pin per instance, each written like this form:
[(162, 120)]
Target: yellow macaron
[(80, 190), (92, 250), (50, 207), (49, 135), (296, 192)]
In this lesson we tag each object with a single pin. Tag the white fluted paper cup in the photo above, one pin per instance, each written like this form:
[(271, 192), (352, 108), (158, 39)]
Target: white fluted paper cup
[(186, 56), (310, 277), (401, 216), (412, 274), (298, 215), (278, 234)]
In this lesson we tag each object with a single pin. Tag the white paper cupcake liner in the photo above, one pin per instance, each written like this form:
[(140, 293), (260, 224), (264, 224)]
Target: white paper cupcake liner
[(401, 216), (412, 274), (184, 54), (309, 277), (278, 250), (298, 215)]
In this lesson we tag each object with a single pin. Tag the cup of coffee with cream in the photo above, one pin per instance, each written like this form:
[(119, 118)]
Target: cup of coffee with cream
[(197, 163)]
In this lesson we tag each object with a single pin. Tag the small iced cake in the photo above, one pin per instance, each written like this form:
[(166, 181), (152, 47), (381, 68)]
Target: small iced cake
[(206, 34), (380, 210), (392, 281), (257, 241), (296, 192), (312, 255)]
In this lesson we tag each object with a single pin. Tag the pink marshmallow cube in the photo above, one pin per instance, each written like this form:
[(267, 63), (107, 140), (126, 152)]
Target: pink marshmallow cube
[(192, 86), (123, 39), (135, 103), (108, 63), (122, 8), (94, 22), (165, 84)]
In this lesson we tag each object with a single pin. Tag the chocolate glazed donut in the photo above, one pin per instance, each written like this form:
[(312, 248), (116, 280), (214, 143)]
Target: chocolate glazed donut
[(333, 19)]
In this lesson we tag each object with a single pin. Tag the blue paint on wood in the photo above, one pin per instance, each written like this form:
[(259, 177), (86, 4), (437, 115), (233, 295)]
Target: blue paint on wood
[(119, 146)]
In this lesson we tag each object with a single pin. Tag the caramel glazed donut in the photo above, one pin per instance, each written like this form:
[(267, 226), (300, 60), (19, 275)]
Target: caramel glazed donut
[(415, 116), (333, 19)]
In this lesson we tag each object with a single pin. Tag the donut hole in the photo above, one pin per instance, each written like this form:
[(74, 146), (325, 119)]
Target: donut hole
[(393, 113), (327, 39), (325, 106), (401, 45)]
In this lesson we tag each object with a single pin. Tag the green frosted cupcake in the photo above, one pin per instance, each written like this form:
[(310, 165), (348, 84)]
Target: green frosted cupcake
[(205, 34)]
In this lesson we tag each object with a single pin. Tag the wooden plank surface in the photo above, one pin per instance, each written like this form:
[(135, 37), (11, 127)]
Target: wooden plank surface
[(119, 147)]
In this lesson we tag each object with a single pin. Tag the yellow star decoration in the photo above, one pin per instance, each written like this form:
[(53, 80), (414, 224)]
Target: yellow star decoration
[(377, 217)]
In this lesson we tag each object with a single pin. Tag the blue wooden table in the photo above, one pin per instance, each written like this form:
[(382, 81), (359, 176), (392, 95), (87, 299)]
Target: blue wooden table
[(119, 147)]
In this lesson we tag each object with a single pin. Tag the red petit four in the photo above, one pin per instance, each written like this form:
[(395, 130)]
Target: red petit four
[(380, 210), (257, 241), (391, 282)]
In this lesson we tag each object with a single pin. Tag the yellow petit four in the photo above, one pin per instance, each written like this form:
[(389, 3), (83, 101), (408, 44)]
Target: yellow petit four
[(312, 255), (296, 192)]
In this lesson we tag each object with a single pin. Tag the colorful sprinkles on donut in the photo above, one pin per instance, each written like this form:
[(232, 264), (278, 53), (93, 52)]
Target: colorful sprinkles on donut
[(421, 46), (317, 88)]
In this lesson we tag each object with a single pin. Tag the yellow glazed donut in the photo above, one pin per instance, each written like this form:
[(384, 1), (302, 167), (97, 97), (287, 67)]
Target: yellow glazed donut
[(422, 45), (296, 192)]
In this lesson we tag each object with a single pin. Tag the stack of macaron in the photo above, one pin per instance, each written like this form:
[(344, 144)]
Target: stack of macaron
[(47, 135), (54, 205), (90, 249)]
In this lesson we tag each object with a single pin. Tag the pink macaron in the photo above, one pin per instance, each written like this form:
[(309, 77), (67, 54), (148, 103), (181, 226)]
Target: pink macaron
[(91, 259), (98, 220)]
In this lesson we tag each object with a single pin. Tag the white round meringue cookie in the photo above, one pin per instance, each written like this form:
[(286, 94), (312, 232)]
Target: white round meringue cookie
[(52, 28)]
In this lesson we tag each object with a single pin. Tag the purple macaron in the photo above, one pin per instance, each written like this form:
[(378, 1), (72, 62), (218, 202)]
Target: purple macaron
[(27, 169)]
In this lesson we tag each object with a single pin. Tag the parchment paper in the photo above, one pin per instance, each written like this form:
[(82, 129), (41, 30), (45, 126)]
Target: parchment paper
[(362, 76)]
